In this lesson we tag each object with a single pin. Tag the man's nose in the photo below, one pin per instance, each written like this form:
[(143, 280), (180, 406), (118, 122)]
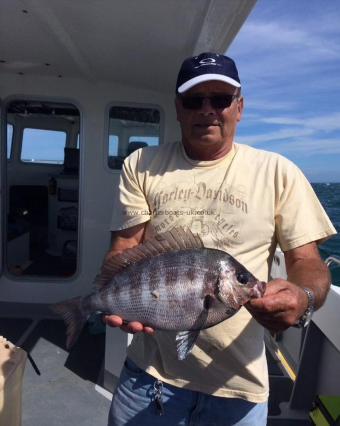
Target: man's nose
[(207, 108)]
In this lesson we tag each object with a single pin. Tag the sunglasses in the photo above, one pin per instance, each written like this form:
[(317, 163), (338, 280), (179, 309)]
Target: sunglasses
[(216, 101)]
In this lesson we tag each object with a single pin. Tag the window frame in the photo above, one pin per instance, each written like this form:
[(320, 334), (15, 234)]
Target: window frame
[(18, 130), (140, 105), (16, 154)]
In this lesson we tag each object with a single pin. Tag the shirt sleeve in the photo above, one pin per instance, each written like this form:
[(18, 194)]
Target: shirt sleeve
[(299, 217), (131, 207)]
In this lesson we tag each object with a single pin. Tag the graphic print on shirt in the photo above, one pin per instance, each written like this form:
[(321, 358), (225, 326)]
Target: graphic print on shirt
[(215, 213)]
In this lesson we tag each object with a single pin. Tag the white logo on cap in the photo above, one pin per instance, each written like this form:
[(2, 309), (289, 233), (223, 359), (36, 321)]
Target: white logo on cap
[(207, 61)]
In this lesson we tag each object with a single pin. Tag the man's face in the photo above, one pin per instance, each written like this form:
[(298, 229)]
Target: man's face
[(208, 131)]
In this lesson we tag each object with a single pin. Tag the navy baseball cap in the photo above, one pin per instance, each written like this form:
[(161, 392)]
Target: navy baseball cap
[(206, 67)]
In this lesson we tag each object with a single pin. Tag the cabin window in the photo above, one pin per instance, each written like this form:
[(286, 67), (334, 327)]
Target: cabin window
[(43, 146), (42, 189), (9, 140), (131, 128)]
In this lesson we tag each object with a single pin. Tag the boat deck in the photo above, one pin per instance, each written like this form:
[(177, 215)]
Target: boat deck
[(68, 390)]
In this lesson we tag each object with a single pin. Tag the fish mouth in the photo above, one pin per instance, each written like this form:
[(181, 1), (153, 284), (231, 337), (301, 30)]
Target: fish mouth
[(258, 290)]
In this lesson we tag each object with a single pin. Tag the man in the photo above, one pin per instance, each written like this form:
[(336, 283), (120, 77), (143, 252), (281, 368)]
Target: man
[(240, 200)]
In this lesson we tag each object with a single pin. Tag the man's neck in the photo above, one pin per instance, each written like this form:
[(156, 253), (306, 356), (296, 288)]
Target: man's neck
[(207, 155)]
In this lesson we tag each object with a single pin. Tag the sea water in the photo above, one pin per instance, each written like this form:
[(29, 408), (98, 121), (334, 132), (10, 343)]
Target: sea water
[(329, 196)]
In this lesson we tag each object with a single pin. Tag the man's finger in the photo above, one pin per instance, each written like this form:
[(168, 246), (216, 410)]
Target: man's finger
[(149, 330), (128, 327), (113, 320), (274, 287), (270, 304), (135, 327)]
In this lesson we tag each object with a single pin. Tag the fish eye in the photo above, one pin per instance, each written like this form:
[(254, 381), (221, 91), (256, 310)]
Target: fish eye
[(242, 277)]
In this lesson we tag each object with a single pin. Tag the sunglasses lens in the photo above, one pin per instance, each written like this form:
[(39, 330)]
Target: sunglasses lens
[(221, 102), (196, 102), (192, 102)]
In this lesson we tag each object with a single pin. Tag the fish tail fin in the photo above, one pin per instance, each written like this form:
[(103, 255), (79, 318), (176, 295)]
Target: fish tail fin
[(73, 317)]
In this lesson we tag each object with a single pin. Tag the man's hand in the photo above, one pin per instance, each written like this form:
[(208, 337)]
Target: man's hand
[(284, 302), (281, 306), (131, 327)]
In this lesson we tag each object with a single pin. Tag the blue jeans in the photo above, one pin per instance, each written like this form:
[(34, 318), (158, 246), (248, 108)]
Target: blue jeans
[(134, 404)]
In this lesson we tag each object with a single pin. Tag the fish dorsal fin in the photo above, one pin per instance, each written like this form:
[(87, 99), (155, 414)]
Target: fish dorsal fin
[(169, 241)]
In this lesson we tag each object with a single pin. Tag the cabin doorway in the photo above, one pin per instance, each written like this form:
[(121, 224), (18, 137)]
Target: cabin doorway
[(42, 188)]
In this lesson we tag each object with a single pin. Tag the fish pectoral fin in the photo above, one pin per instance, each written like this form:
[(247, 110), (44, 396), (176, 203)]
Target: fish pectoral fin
[(185, 341), (211, 302)]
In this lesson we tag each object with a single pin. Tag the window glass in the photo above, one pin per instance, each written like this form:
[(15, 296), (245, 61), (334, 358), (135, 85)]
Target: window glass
[(43, 146), (131, 128), (149, 140), (9, 139), (113, 145)]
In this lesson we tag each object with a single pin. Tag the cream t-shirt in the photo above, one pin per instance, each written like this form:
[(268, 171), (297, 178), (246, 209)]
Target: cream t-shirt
[(244, 203)]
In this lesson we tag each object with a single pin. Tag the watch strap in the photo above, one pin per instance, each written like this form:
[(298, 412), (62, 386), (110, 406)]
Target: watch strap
[(307, 315)]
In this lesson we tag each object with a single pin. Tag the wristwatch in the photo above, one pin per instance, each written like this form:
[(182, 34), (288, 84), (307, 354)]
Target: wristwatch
[(307, 315)]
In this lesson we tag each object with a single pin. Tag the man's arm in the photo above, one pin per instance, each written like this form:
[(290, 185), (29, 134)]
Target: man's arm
[(122, 240), (306, 269), (284, 302)]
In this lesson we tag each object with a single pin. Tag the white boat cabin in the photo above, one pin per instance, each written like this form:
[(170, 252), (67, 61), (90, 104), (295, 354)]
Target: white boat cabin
[(82, 85)]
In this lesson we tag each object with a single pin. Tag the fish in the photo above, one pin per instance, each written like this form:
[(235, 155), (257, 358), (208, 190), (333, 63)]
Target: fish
[(169, 282)]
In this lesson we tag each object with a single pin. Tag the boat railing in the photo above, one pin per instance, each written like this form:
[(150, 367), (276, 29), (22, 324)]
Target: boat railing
[(308, 357)]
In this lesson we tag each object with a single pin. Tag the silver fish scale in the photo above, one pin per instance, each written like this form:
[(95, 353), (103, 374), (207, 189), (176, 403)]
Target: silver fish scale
[(166, 292)]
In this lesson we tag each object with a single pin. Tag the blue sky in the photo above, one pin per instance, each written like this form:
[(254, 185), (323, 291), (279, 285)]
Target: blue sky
[(288, 56)]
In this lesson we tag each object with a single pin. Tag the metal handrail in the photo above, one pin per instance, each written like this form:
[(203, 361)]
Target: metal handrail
[(332, 259)]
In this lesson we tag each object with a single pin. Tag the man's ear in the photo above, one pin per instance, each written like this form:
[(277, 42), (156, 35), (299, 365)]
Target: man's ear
[(240, 106)]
